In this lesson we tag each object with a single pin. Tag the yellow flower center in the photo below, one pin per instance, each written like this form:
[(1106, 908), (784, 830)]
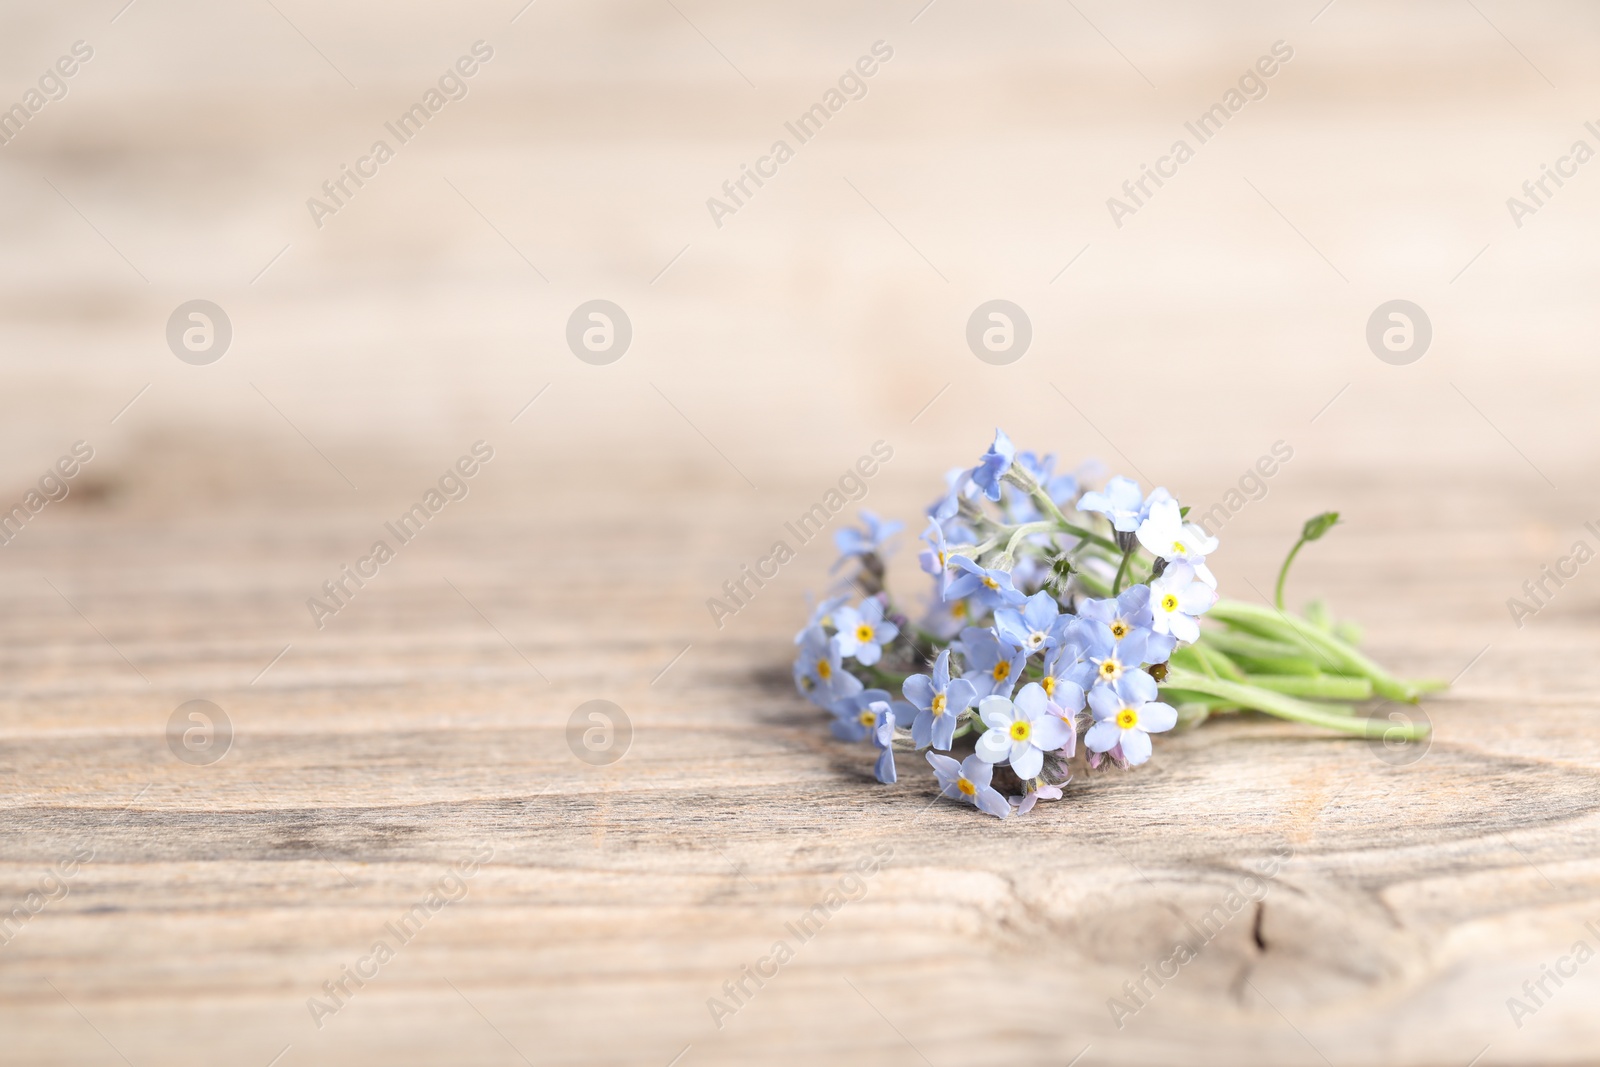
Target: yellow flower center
[(1002, 671), (990, 582), (1020, 730), (1119, 629), (1179, 547), (938, 705), (958, 610), (941, 558), (966, 787), (824, 669), (864, 633), (868, 718), (1048, 684), (1127, 718), (1169, 603), (1110, 669)]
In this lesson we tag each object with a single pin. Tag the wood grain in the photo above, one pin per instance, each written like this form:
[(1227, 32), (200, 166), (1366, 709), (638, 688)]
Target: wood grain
[(429, 720), (374, 756)]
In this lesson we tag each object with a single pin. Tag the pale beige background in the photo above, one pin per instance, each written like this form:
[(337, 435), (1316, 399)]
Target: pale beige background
[(808, 326)]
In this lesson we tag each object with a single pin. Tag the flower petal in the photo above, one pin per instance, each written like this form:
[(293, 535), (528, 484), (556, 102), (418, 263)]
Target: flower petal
[(991, 803), (960, 696), (1104, 702), (1196, 598), (1156, 717), (1136, 687), (1040, 611), (993, 746), (884, 769), (1133, 649), (920, 689), (1184, 628), (1028, 763), (1069, 695), (1031, 702), (1071, 747), (977, 771), (996, 712), (963, 586), (1158, 647), (1102, 736), (1050, 733), (1135, 746)]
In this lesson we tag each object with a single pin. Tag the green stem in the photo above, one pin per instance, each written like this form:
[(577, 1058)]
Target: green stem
[(1288, 707), (1024, 530), (1122, 572), (986, 546), (1176, 697), (1327, 649), (1048, 506), (1283, 572), (1321, 687), (1217, 663), (1239, 643)]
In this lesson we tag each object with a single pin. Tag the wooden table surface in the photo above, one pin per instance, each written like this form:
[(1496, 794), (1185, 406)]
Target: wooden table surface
[(1408, 898), (405, 773)]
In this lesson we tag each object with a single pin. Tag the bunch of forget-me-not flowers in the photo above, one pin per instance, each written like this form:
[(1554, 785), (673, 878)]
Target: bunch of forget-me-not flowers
[(1058, 612)]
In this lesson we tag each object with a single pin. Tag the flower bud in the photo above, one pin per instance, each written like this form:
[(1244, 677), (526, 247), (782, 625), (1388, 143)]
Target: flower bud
[(1318, 525)]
